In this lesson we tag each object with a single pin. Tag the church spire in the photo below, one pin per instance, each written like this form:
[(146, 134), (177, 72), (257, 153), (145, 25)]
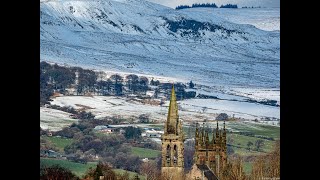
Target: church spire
[(172, 124), (172, 143)]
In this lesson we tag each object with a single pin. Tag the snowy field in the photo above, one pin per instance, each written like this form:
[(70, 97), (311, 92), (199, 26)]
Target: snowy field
[(258, 93), (189, 110), (54, 119)]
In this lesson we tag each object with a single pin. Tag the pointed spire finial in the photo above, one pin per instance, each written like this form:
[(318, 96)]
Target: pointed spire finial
[(217, 130), (213, 139), (173, 118), (203, 127), (206, 140)]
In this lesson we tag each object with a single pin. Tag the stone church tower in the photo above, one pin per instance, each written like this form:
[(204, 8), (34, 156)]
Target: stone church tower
[(172, 143), (212, 153)]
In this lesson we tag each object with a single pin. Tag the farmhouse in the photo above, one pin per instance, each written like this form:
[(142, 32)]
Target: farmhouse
[(153, 133)]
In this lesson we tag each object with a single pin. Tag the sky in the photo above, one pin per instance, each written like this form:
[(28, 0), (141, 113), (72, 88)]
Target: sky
[(240, 3)]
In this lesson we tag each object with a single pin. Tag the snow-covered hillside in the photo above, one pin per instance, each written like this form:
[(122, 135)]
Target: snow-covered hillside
[(142, 37), (233, 54), (263, 18)]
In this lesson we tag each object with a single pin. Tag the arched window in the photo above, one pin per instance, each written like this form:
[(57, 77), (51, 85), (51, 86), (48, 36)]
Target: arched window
[(168, 155), (175, 155)]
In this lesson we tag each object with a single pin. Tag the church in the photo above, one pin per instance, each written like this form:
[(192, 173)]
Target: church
[(210, 156)]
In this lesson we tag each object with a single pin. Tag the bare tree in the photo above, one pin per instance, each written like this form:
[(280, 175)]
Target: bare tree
[(234, 169), (149, 169), (267, 166)]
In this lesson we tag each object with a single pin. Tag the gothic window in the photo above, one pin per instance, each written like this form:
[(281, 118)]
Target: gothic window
[(175, 155), (168, 155)]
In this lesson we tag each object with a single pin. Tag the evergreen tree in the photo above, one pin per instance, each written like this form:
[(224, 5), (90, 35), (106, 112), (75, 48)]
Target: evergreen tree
[(191, 85), (229, 6), (117, 82), (98, 172), (152, 82)]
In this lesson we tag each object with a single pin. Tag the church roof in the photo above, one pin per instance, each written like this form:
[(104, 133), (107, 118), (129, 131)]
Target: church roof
[(207, 172)]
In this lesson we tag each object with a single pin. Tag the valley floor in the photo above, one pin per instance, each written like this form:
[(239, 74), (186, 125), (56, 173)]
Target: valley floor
[(189, 110)]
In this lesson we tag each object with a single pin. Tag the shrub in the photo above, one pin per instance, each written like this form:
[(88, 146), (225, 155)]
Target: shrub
[(222, 117), (56, 172)]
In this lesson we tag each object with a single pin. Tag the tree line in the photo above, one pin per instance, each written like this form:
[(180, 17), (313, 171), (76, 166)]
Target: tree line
[(229, 6), (59, 79), (251, 7), (211, 5)]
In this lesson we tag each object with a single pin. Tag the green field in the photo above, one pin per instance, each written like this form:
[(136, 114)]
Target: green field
[(242, 141), (59, 142), (77, 168), (256, 129), (145, 153)]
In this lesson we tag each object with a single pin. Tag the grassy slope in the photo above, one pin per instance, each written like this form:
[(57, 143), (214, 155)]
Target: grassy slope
[(80, 169), (242, 141), (257, 130), (145, 153), (59, 142), (77, 168)]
